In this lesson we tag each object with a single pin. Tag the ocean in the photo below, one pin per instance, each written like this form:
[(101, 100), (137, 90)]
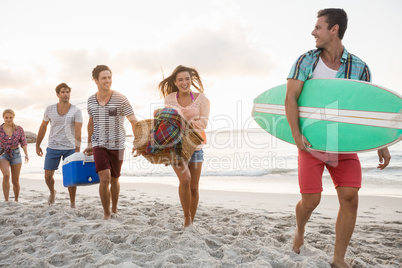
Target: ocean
[(246, 160)]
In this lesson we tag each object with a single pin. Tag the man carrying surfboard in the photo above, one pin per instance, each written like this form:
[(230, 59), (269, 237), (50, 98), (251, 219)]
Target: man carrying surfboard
[(329, 60)]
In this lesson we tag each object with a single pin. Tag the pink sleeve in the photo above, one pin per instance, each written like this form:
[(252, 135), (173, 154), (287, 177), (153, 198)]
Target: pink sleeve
[(170, 101), (200, 123)]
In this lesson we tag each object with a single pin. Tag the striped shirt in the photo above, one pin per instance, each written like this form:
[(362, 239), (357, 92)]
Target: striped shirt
[(108, 121), (62, 127), (351, 67)]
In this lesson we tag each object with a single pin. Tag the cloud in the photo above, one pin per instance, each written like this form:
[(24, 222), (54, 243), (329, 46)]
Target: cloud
[(21, 88), (75, 65), (13, 101), (222, 52), (12, 79)]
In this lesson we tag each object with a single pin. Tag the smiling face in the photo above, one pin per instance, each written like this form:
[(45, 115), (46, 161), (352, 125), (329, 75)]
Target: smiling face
[(323, 36), (183, 82), (64, 95), (8, 118), (104, 81)]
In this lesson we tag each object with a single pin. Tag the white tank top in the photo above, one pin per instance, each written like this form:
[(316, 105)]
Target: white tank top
[(323, 71)]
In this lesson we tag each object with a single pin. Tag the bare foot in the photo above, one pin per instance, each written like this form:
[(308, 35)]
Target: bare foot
[(340, 264), (189, 228), (298, 241), (52, 198), (72, 205), (107, 217), (187, 221)]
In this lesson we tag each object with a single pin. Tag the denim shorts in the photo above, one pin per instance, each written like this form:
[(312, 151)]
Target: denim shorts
[(16, 159), (52, 158), (198, 156)]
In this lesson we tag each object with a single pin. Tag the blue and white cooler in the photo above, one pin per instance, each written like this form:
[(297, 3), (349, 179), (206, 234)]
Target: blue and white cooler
[(79, 169)]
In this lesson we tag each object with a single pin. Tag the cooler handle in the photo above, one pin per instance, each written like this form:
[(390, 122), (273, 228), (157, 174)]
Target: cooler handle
[(85, 160)]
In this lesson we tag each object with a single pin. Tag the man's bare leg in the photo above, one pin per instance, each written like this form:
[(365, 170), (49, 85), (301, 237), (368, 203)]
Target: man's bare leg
[(104, 192), (115, 191), (72, 191), (304, 209), (345, 223), (50, 184)]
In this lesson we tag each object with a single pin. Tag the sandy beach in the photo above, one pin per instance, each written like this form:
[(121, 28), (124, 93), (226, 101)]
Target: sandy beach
[(231, 229)]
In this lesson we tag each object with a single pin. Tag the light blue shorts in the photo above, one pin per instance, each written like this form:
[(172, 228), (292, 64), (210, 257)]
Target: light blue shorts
[(52, 158), (198, 156), (16, 159)]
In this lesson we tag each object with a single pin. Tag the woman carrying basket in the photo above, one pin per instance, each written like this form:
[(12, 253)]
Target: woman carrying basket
[(194, 107)]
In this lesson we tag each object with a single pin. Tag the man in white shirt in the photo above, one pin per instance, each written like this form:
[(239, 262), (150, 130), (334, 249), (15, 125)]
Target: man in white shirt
[(64, 138)]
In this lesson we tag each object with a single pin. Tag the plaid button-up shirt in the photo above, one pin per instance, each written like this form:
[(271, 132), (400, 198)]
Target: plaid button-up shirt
[(352, 67), (8, 143)]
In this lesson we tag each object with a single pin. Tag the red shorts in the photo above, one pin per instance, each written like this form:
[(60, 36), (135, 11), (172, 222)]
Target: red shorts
[(345, 170), (108, 159)]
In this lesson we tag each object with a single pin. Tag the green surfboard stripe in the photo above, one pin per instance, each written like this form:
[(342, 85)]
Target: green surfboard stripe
[(324, 135)]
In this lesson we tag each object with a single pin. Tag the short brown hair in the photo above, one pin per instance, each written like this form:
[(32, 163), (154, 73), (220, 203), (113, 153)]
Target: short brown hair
[(335, 16), (98, 69), (60, 86)]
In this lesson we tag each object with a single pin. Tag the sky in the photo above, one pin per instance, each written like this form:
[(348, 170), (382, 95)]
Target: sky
[(240, 48)]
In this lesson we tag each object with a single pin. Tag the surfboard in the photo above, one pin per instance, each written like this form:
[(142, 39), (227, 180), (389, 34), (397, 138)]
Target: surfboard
[(336, 115)]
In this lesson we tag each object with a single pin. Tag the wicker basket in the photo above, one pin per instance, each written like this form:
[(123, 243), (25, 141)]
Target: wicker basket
[(190, 140)]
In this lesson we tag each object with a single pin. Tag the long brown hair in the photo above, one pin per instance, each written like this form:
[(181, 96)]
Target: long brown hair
[(167, 86), (9, 111)]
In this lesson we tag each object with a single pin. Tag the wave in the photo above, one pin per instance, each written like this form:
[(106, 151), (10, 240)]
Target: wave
[(389, 170), (214, 173)]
